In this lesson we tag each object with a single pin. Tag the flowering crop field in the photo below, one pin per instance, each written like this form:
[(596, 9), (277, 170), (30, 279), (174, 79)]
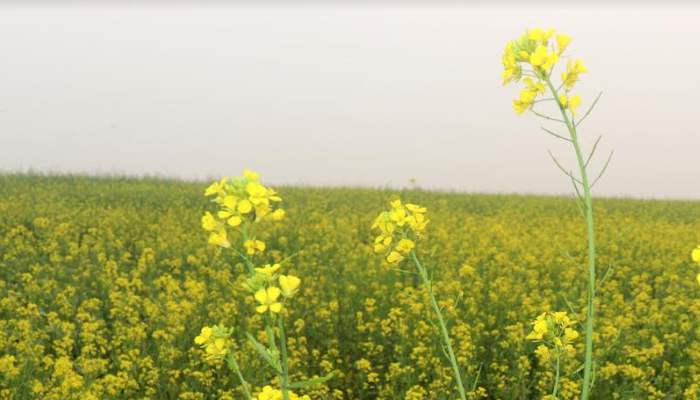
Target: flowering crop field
[(105, 282)]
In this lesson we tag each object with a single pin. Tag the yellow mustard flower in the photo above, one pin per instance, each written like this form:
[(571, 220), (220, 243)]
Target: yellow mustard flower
[(244, 207), (405, 246), (570, 334), (268, 269), (562, 42), (204, 336), (268, 393), (289, 284), (539, 328), (216, 187), (540, 35), (526, 101), (570, 103), (570, 76), (278, 214), (382, 242), (268, 300), (253, 176), (254, 246), (543, 59), (229, 212), (695, 254), (512, 71), (534, 87), (218, 237), (209, 223), (416, 208), (394, 257), (214, 341), (401, 222), (543, 352)]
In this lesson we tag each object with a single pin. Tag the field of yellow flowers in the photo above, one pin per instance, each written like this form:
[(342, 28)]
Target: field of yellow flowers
[(105, 282)]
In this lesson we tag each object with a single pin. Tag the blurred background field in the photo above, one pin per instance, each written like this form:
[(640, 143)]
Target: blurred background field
[(104, 282)]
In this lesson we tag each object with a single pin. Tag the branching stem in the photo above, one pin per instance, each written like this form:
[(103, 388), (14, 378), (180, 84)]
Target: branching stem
[(443, 328), (588, 203)]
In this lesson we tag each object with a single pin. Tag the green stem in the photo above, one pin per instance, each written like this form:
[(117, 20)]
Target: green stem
[(248, 262), (285, 364), (234, 366), (588, 367), (270, 335), (443, 328), (556, 379)]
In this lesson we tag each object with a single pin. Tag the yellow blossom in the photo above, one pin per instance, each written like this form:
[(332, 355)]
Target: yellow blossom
[(216, 187), (543, 59), (570, 77), (534, 87), (415, 208), (268, 300), (268, 393), (570, 103), (244, 207), (289, 284), (218, 237), (278, 214), (253, 176), (268, 269), (405, 246), (570, 334), (539, 328), (543, 352), (209, 222), (394, 257), (254, 246), (526, 101), (214, 341), (562, 42), (539, 35), (695, 254), (204, 336)]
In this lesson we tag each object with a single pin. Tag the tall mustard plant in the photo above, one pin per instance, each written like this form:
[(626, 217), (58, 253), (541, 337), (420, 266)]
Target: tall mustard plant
[(533, 57), (399, 230), (243, 203)]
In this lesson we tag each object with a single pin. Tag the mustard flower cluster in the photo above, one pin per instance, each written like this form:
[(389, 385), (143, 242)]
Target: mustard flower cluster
[(269, 393), (214, 341), (240, 200), (553, 330), (696, 257), (271, 297), (399, 228), (534, 55)]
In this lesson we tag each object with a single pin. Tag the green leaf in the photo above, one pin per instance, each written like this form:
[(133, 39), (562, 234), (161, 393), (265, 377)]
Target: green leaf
[(310, 382), (264, 353)]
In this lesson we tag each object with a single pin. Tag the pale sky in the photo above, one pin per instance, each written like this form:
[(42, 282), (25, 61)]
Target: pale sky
[(364, 94)]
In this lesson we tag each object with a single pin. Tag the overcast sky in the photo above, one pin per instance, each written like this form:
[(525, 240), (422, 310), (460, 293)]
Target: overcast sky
[(332, 95)]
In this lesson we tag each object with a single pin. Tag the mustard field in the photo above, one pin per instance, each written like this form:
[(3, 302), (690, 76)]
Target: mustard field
[(106, 282)]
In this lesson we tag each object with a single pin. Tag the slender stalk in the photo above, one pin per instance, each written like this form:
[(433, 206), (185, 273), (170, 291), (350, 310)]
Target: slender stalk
[(556, 379), (285, 363), (445, 334), (588, 202), (268, 326), (248, 262), (234, 366)]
